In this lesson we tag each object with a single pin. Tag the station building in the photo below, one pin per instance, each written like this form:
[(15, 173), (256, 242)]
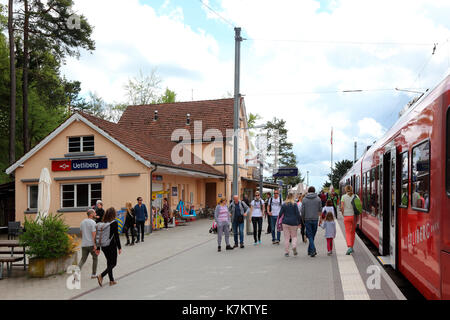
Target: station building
[(90, 158)]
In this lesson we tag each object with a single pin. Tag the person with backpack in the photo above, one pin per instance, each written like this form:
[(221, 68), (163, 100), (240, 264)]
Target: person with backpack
[(141, 214), (328, 208), (239, 210), (348, 212), (107, 238), (87, 229), (274, 207), (257, 208), (311, 211), (130, 224), (330, 230), (222, 217), (289, 218)]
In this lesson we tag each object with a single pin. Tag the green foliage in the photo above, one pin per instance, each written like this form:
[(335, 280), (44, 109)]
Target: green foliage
[(46, 239), (168, 96), (339, 170)]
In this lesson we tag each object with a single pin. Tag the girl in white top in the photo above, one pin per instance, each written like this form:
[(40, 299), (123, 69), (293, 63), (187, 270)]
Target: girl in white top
[(328, 208), (349, 218), (257, 208)]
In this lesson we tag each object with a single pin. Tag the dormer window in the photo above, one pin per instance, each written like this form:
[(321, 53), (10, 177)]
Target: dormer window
[(188, 119), (155, 117)]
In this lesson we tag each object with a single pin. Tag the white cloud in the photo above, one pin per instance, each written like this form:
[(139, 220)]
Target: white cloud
[(369, 127)]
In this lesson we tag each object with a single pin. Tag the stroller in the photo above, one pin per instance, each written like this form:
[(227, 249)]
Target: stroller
[(213, 229)]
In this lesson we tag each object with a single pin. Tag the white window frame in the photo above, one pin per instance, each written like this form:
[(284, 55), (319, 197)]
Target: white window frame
[(81, 143), (75, 193), (29, 196), (215, 155)]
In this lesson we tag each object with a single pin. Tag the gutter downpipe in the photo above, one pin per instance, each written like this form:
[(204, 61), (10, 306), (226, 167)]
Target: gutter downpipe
[(151, 197)]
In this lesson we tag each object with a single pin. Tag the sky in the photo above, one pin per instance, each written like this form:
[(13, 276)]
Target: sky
[(297, 58)]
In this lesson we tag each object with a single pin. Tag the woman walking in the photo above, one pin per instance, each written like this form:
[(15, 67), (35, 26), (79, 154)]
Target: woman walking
[(109, 224), (223, 219), (165, 213), (290, 219), (130, 223), (349, 217), (257, 209)]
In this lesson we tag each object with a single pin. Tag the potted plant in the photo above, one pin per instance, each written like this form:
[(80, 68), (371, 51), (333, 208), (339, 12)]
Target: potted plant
[(50, 247)]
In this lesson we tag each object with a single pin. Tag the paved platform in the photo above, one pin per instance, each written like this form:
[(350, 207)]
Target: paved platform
[(183, 263)]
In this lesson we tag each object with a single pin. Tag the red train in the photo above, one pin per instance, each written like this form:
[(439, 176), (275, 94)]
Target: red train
[(403, 181)]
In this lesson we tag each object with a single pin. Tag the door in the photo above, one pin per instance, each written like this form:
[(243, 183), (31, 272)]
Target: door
[(210, 195), (393, 209)]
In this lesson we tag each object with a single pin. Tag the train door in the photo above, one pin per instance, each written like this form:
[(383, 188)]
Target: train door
[(388, 210), (393, 209)]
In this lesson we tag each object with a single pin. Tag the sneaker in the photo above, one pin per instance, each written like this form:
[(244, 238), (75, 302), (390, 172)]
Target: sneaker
[(137, 241), (295, 251), (259, 242), (329, 253), (219, 249), (229, 247), (255, 244), (349, 251), (94, 276), (314, 254), (278, 241), (286, 254), (132, 244), (274, 242), (242, 246)]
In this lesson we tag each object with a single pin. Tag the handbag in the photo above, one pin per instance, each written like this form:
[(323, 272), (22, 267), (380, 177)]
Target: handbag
[(280, 223)]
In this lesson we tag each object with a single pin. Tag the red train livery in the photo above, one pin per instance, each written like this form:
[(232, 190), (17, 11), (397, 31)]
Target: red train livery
[(403, 181)]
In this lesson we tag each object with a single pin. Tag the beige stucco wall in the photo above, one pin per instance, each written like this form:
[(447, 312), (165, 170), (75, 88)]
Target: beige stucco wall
[(115, 190)]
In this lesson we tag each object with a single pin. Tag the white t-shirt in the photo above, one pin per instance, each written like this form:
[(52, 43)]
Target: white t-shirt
[(329, 209), (87, 227), (257, 206), (276, 206)]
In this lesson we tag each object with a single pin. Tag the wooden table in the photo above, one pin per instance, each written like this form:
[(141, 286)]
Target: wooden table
[(11, 244)]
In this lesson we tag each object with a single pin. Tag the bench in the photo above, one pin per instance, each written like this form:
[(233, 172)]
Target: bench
[(9, 261), (9, 251)]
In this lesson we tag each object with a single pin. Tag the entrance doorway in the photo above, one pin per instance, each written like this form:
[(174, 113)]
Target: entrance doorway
[(210, 195)]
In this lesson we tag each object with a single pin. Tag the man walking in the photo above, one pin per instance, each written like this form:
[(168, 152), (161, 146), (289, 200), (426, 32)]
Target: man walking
[(99, 211), (87, 229), (274, 205), (311, 211), (141, 214), (256, 212), (239, 211)]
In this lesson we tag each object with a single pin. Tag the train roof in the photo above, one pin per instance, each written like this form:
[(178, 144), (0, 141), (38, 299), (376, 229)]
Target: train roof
[(407, 117)]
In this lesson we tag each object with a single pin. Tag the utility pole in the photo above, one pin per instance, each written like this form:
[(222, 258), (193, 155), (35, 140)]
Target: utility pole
[(307, 178), (237, 66), (354, 156)]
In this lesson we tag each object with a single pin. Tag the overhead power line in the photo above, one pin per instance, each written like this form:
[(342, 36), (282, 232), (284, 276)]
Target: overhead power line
[(216, 13), (322, 92), (343, 42)]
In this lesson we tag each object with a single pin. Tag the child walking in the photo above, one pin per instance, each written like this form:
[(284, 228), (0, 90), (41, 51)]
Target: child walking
[(330, 230)]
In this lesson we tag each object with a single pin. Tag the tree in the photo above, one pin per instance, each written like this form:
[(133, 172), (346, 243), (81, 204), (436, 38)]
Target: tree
[(12, 75), (142, 89), (168, 96), (46, 26), (277, 133), (252, 118), (339, 170)]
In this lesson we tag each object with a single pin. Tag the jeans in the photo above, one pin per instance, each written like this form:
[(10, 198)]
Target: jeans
[(133, 233), (140, 229), (84, 255), (257, 225), (111, 260), (238, 227), (223, 228), (273, 225), (311, 229)]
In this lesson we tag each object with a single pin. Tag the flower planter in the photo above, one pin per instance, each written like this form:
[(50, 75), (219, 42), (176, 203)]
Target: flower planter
[(39, 268)]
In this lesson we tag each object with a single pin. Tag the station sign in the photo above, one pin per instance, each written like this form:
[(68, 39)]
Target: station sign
[(74, 165), (285, 172)]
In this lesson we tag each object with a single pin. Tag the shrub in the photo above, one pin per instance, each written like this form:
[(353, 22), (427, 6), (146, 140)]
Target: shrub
[(48, 238)]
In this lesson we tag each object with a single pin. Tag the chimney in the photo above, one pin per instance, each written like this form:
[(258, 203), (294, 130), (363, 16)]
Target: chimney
[(188, 119), (155, 117)]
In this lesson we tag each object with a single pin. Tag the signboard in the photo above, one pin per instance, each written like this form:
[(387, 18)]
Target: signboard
[(174, 192), (88, 164), (285, 172)]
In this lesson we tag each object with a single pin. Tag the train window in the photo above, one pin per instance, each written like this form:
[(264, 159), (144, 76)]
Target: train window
[(372, 192), (448, 152), (420, 176), (357, 186), (374, 202), (405, 177), (366, 193)]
